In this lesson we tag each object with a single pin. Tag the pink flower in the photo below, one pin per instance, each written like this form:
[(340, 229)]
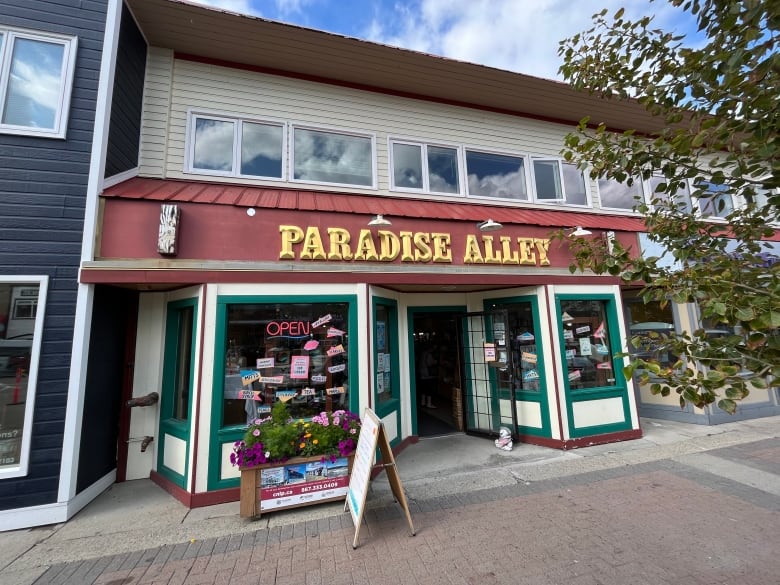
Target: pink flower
[(256, 432)]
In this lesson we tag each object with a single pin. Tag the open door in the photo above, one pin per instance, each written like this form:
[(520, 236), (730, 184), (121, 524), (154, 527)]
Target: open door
[(488, 389)]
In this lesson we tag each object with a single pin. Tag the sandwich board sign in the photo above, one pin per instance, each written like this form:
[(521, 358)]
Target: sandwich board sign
[(372, 435)]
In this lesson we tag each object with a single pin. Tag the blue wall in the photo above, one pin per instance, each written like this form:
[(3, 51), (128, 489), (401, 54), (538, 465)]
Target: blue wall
[(43, 186)]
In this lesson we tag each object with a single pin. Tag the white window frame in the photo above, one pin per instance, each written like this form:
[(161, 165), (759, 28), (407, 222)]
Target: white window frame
[(529, 186), (532, 170), (330, 130), (42, 282), (642, 195), (70, 44), (238, 122), (696, 202), (426, 188), (586, 182)]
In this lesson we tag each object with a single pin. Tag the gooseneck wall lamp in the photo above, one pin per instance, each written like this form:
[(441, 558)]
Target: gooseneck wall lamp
[(379, 220), (489, 226)]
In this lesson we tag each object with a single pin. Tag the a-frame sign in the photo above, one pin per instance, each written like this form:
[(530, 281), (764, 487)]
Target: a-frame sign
[(372, 434)]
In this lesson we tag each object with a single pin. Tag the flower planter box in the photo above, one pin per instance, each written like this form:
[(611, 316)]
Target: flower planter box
[(300, 481)]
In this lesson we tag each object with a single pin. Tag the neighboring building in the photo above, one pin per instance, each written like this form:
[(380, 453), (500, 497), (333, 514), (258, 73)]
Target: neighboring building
[(58, 414), (271, 211)]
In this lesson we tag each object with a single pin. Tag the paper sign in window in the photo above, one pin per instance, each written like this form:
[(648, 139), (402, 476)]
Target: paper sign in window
[(299, 367)]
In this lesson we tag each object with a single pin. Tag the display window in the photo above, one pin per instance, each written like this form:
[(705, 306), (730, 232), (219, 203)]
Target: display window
[(295, 352), (588, 349), (20, 339)]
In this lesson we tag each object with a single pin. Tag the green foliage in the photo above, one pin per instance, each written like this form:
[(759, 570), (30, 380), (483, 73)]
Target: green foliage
[(716, 112)]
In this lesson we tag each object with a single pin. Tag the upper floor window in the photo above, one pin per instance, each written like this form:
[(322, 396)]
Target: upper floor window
[(425, 168), (36, 76), (617, 195), (333, 157), (228, 146), (681, 198), (575, 190), (496, 175), (716, 201)]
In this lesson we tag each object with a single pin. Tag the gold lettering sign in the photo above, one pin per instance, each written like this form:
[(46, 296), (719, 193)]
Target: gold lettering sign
[(418, 247)]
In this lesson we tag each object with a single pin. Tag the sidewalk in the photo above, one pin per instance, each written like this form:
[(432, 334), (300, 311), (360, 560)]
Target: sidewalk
[(138, 523)]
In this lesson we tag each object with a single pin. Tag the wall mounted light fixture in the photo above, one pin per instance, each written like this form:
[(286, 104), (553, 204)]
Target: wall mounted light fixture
[(379, 219), (579, 232), (489, 226)]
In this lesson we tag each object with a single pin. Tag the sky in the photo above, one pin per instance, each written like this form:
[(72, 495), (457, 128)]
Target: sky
[(516, 35)]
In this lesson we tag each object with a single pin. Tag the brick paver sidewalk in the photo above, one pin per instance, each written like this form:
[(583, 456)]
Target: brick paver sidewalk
[(661, 523)]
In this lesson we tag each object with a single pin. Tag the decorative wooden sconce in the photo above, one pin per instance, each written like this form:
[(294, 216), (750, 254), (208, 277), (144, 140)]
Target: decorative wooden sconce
[(169, 229)]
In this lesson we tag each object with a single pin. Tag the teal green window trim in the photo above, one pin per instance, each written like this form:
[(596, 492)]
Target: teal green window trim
[(391, 329), (179, 428), (230, 434), (538, 396), (618, 388)]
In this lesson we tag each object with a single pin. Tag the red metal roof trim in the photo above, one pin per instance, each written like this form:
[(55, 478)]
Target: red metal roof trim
[(302, 200)]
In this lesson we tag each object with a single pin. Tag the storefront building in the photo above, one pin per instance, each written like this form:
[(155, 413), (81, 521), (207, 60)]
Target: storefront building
[(277, 213)]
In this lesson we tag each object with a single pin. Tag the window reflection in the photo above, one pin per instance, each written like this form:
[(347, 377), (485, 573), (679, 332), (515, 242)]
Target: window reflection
[(619, 195), (407, 166), (681, 197), (213, 145), (443, 169), (332, 158), (261, 150), (496, 175), (34, 84), (574, 184)]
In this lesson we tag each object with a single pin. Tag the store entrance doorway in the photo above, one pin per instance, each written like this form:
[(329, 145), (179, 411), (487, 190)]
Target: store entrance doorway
[(439, 409)]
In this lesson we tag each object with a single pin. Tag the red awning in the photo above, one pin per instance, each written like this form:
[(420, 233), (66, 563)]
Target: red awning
[(301, 200)]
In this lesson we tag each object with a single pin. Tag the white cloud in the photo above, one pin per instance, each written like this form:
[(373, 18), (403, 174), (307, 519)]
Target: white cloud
[(516, 35)]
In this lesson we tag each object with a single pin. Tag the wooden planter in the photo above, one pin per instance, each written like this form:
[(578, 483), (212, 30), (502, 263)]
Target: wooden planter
[(300, 481)]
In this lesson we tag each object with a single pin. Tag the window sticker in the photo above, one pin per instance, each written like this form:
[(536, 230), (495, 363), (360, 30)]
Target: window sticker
[(601, 349), (299, 367), (599, 332), (528, 357), (583, 329), (380, 362), (604, 366), (568, 334), (566, 317), (249, 376), (585, 348), (263, 363), (337, 368), (285, 395), (322, 320), (311, 345), (387, 362), (490, 352), (530, 375), (335, 350), (333, 332), (575, 375), (335, 391), (526, 336)]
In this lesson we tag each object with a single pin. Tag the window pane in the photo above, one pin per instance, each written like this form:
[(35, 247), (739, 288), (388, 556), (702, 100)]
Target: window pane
[(35, 84), (619, 195), (213, 145), (681, 197), (17, 328), (586, 337), (715, 202), (574, 185), (333, 158), (547, 179), (496, 175), (181, 400), (443, 170), (291, 358), (649, 324), (384, 384), (261, 150), (407, 166)]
